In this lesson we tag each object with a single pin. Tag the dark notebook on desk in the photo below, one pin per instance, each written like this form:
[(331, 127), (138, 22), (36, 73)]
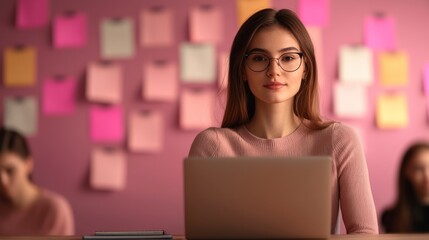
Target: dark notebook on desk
[(257, 197)]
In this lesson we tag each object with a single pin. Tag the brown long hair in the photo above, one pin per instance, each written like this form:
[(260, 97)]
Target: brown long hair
[(407, 207), (240, 106), (13, 142)]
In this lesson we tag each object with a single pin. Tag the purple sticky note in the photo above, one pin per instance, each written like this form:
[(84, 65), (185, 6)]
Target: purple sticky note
[(380, 32), (32, 13), (426, 79), (70, 30), (59, 96), (314, 12), (106, 123)]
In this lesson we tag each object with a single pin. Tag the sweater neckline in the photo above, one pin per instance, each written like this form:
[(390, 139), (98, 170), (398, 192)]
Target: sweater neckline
[(250, 137)]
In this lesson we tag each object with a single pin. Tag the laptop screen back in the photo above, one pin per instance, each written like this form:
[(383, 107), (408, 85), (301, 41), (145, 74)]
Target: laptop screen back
[(257, 197)]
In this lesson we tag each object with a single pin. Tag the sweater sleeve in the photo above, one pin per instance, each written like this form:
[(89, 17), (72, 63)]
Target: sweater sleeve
[(60, 217), (357, 204), (205, 144)]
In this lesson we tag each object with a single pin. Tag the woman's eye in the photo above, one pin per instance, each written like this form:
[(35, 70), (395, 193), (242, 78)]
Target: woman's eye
[(287, 58), (259, 58)]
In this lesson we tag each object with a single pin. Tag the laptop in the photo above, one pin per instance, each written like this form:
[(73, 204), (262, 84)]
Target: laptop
[(257, 197)]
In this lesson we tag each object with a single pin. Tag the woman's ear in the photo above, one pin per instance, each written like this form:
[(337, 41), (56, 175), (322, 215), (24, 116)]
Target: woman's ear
[(29, 165)]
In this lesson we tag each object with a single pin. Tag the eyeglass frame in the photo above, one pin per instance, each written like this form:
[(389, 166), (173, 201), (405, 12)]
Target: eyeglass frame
[(300, 54)]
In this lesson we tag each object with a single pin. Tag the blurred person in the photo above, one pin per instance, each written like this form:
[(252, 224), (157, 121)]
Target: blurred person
[(25, 208), (410, 213)]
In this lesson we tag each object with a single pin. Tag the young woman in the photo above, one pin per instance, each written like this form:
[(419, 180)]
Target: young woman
[(411, 210), (25, 208), (273, 109)]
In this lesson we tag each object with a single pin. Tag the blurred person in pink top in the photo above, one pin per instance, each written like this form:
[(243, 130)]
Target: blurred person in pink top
[(25, 208), (410, 212), (272, 109)]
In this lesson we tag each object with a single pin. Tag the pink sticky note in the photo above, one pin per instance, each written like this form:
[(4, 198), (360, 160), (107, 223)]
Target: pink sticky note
[(197, 108), (206, 24), (108, 169), (32, 13), (160, 81), (380, 32), (426, 79), (70, 30), (314, 12), (104, 83), (156, 27), (106, 123), (145, 131), (59, 95)]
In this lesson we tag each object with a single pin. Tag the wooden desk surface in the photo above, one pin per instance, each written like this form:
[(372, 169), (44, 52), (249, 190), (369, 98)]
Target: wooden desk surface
[(337, 237)]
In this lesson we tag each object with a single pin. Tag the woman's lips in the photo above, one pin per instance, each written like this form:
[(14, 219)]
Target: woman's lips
[(274, 86)]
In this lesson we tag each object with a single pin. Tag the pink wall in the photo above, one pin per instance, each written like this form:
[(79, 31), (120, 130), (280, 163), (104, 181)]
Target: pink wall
[(152, 198)]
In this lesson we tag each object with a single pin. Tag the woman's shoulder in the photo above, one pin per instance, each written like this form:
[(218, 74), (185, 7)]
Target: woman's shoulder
[(52, 201), (206, 143)]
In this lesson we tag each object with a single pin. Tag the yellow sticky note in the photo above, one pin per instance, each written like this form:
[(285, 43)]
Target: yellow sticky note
[(19, 66), (393, 68), (392, 111), (245, 8)]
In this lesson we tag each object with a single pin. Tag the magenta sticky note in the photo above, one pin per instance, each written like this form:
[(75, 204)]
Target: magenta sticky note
[(380, 33), (426, 79), (106, 123), (32, 13), (59, 95), (70, 30), (314, 12)]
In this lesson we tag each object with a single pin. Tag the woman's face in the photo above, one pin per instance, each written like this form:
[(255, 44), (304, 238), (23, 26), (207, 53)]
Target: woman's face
[(418, 174), (14, 172), (274, 84)]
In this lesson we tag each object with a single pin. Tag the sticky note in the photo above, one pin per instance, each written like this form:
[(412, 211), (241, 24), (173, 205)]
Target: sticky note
[(392, 111), (70, 30), (104, 82), (21, 114), (206, 24), (160, 81), (223, 70), (117, 38), (145, 131), (316, 37), (380, 32), (156, 27), (32, 13), (246, 8), (393, 68), (59, 95), (106, 123), (108, 169), (197, 63), (197, 108), (356, 64), (314, 12), (350, 100), (20, 66)]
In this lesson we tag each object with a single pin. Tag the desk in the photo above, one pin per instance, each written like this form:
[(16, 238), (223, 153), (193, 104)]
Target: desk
[(335, 237)]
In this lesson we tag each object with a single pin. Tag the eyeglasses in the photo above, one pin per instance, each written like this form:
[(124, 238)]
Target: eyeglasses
[(259, 62)]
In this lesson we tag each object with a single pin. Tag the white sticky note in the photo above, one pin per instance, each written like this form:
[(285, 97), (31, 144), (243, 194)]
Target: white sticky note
[(356, 65), (197, 63), (350, 100), (117, 38), (21, 114)]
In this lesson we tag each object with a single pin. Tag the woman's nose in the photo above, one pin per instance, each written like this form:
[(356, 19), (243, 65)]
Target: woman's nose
[(274, 67)]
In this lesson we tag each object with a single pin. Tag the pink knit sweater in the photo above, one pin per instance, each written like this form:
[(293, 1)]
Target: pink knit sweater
[(350, 181), (51, 214)]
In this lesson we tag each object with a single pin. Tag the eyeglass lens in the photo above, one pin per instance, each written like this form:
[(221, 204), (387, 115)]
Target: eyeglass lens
[(288, 61)]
